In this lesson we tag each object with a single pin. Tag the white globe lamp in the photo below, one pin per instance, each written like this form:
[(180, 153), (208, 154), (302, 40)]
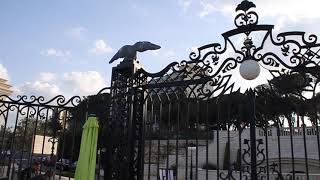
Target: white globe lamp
[(249, 69)]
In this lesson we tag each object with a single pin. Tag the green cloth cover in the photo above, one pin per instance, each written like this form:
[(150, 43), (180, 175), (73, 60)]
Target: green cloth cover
[(86, 164)]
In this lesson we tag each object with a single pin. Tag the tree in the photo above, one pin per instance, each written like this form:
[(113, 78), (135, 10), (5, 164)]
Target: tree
[(95, 104)]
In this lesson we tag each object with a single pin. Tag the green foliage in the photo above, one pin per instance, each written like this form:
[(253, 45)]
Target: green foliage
[(95, 104)]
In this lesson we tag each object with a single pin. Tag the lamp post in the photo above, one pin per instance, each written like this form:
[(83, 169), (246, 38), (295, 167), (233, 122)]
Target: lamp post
[(250, 70), (191, 148)]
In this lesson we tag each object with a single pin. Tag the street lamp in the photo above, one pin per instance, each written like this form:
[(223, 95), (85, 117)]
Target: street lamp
[(191, 148), (249, 69)]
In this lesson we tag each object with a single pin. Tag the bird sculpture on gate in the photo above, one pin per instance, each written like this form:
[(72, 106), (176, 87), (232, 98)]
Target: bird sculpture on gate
[(129, 52)]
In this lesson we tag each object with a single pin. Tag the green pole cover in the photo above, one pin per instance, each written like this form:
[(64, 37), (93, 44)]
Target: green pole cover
[(86, 164)]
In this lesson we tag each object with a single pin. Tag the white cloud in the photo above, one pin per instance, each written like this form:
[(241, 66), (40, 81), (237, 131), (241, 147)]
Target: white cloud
[(76, 32), (84, 83), (67, 84), (169, 53), (55, 52), (100, 47), (47, 77), (4, 72), (292, 10), (185, 4), (207, 8), (38, 88)]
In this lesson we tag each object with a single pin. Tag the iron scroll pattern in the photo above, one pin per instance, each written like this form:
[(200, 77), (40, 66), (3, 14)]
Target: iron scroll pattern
[(209, 70), (126, 127), (57, 101), (22, 117)]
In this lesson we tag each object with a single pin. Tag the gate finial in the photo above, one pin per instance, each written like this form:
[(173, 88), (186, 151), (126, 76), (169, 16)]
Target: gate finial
[(129, 52), (245, 5)]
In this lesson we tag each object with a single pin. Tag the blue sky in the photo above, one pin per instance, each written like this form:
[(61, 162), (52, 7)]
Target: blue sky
[(63, 46)]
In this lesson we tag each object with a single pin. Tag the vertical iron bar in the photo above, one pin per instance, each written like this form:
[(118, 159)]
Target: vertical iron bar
[(197, 137), (159, 139), (74, 123), (317, 131), (240, 163), (191, 169), (207, 137), (177, 141), (34, 133), (267, 148), (292, 152), (99, 146), (4, 133), (253, 135), (305, 146), (142, 108), (64, 126), (24, 135), (44, 135), (187, 132), (13, 149), (131, 133), (279, 147), (168, 134), (217, 131), (3, 146), (228, 143), (150, 141)]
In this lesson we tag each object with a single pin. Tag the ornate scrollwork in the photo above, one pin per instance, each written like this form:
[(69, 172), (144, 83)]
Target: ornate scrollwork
[(58, 100), (209, 50), (246, 17), (208, 71), (259, 149)]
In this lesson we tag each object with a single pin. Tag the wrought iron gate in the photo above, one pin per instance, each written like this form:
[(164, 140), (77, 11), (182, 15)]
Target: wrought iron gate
[(46, 134), (193, 121), (34, 130)]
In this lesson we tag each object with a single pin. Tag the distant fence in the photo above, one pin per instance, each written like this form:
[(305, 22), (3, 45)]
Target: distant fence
[(285, 131)]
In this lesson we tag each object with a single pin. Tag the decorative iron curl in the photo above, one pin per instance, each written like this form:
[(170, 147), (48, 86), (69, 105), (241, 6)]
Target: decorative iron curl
[(246, 151), (274, 170), (205, 88), (212, 50), (58, 100), (229, 175), (246, 17), (229, 64), (290, 45), (260, 152)]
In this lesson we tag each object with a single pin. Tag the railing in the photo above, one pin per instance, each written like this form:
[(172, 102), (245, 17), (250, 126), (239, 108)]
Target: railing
[(212, 174), (285, 131)]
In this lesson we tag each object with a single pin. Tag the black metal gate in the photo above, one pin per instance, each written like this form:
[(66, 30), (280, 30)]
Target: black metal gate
[(34, 130), (39, 136), (192, 120)]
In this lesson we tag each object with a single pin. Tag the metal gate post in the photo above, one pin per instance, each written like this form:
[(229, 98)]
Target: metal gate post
[(253, 146), (123, 123)]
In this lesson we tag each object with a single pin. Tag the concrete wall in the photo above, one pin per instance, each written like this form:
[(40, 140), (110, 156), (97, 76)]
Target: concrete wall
[(216, 151)]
